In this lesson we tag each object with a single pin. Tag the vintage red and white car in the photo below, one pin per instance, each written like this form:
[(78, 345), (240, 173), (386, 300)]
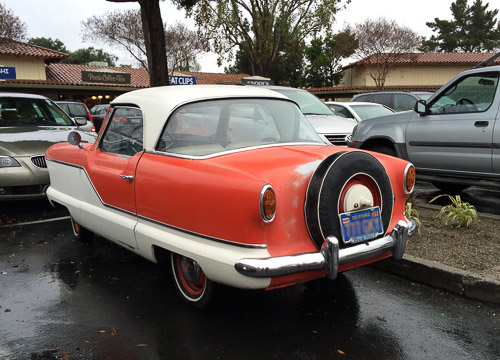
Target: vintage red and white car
[(234, 184)]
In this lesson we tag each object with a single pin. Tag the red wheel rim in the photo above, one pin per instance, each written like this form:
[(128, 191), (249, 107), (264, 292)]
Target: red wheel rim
[(364, 180), (191, 277)]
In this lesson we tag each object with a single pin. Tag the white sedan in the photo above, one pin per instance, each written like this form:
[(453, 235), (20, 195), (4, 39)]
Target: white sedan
[(359, 110)]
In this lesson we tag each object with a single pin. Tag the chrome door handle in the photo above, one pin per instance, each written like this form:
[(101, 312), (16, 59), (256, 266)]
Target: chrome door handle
[(127, 177)]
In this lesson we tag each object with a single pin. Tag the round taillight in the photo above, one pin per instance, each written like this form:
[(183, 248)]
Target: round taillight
[(409, 178), (267, 203)]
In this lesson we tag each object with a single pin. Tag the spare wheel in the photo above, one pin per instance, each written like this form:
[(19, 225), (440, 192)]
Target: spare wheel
[(345, 182)]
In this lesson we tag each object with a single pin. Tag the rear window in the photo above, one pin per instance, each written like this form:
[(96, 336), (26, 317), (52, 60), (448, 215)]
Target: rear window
[(77, 110)]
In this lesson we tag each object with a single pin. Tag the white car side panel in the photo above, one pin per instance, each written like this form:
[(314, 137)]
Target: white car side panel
[(119, 227), (216, 259)]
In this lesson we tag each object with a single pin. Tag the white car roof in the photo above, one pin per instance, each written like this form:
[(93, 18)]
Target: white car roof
[(158, 103)]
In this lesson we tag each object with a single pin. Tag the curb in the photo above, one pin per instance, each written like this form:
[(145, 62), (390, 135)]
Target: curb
[(444, 277)]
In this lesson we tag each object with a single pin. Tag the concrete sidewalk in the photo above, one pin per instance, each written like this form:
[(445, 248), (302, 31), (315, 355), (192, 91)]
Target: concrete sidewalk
[(443, 277)]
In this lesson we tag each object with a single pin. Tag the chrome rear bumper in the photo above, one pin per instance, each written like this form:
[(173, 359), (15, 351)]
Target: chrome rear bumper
[(330, 256)]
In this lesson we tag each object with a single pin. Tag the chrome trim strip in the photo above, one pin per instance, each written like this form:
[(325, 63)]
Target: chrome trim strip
[(210, 156), (222, 241), (330, 256)]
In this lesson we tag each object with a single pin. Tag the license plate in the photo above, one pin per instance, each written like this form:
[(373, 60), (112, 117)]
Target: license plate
[(361, 225)]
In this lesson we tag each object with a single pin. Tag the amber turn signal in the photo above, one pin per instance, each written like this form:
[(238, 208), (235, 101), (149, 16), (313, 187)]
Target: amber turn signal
[(267, 203), (409, 178)]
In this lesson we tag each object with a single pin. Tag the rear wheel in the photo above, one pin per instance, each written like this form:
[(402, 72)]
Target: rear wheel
[(191, 282), (81, 234)]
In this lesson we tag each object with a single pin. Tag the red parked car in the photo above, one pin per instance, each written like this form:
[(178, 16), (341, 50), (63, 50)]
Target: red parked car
[(235, 185)]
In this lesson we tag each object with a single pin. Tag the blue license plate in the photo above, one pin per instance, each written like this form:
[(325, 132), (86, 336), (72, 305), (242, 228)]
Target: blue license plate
[(361, 225)]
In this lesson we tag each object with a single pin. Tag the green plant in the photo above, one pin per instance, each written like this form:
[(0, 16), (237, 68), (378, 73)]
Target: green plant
[(412, 214), (459, 212)]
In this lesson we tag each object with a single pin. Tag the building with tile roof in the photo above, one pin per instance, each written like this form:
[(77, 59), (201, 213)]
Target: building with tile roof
[(420, 71), (34, 69)]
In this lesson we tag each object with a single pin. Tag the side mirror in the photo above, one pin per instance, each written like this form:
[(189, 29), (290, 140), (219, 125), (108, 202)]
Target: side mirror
[(80, 121), (421, 107), (75, 138)]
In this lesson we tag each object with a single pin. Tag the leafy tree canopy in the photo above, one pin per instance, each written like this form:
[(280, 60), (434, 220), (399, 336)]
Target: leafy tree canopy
[(49, 43), (474, 29), (260, 29), (324, 56), (84, 56), (11, 26)]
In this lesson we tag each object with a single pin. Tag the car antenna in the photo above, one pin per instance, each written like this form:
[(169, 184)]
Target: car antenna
[(487, 61)]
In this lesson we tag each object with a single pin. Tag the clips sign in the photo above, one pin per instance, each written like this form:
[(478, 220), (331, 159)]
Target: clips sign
[(182, 80)]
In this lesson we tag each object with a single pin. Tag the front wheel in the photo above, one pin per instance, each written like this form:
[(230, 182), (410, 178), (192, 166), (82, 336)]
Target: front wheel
[(81, 234), (191, 282)]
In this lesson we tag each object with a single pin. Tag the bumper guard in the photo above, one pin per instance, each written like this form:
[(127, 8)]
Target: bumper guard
[(330, 256)]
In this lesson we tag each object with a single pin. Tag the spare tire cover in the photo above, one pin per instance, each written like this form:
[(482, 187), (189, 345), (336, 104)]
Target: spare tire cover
[(327, 184)]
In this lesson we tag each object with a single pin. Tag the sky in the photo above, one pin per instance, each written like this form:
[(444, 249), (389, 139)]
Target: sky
[(61, 19)]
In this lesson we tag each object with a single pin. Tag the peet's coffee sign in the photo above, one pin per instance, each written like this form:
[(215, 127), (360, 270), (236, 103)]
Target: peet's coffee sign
[(105, 77)]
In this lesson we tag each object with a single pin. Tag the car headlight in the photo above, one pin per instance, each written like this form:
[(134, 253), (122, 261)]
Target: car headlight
[(7, 161)]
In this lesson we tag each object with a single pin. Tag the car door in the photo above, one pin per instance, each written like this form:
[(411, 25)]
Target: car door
[(111, 169), (456, 136)]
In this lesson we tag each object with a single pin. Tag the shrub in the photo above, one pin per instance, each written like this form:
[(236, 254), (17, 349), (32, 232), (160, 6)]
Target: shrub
[(412, 214), (460, 213)]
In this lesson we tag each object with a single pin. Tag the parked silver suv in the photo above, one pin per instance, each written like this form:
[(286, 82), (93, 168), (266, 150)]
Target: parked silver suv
[(452, 138)]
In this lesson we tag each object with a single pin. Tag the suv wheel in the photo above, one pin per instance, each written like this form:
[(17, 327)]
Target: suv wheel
[(383, 150)]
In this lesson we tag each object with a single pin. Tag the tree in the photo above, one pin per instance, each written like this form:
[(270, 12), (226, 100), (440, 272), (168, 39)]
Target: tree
[(11, 27), (124, 29), (49, 43), (474, 29), (324, 55), (85, 56), (183, 46), (287, 69), (381, 43), (260, 28)]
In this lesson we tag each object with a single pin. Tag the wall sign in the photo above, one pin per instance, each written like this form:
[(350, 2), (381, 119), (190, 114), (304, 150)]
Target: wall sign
[(7, 72), (105, 77), (182, 80)]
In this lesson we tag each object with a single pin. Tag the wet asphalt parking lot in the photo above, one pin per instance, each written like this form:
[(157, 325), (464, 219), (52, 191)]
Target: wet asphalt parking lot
[(62, 299)]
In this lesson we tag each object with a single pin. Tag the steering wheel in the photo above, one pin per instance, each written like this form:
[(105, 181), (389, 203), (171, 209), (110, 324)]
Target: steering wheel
[(465, 101)]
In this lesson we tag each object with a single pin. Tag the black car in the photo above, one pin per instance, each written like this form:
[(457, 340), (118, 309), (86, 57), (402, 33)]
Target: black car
[(396, 100), (98, 113)]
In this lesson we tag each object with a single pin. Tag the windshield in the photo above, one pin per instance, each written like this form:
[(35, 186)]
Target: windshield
[(19, 111), (371, 111), (309, 104), (209, 127)]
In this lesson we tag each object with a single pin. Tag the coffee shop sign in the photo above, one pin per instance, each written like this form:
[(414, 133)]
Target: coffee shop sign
[(105, 77)]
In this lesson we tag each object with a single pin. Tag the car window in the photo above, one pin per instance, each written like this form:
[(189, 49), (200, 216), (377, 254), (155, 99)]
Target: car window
[(209, 127), (473, 93), (123, 135), (99, 110), (362, 97), (384, 99), (309, 103), (341, 111), (403, 102), (371, 111), (77, 110), (18, 111)]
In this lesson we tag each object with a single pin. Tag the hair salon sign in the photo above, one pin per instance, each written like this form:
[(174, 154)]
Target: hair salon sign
[(105, 77)]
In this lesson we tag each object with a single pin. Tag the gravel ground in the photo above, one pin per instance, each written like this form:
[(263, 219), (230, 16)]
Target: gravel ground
[(475, 249)]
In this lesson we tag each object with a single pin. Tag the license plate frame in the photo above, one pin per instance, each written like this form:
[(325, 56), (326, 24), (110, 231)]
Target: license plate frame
[(361, 225)]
